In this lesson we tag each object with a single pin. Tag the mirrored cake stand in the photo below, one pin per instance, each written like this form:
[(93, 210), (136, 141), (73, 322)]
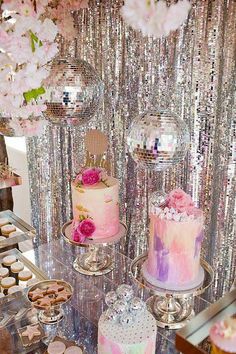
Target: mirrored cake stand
[(96, 261), (172, 309)]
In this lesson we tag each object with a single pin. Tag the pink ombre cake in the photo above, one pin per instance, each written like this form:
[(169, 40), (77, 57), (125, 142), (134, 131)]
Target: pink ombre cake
[(95, 203), (176, 234), (223, 337)]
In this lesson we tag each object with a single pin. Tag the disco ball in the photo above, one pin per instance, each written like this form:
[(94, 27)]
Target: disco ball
[(73, 92), (158, 140), (18, 127)]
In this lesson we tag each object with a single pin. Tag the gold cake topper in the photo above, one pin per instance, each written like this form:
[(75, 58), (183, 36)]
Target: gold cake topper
[(96, 144)]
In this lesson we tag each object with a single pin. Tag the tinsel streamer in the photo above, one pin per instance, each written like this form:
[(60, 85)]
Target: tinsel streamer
[(193, 73)]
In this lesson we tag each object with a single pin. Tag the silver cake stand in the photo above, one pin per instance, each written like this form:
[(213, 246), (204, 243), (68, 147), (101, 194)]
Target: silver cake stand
[(172, 309), (95, 261)]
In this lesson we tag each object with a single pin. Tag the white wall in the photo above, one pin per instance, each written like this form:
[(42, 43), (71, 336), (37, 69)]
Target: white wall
[(16, 149)]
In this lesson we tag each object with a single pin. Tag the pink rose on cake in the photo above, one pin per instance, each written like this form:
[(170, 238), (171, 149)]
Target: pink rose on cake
[(91, 176), (83, 230), (180, 201)]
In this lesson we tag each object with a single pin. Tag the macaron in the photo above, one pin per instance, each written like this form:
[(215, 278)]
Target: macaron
[(15, 233), (25, 275), (7, 229), (3, 221), (56, 347), (73, 350), (9, 260), (2, 238), (13, 289), (16, 267), (7, 282), (4, 272)]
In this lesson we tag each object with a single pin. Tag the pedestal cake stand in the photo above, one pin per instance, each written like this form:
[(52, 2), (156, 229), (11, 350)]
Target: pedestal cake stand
[(95, 261), (172, 309)]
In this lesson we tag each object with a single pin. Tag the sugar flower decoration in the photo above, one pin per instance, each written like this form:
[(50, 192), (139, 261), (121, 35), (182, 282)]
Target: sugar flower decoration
[(155, 18), (83, 229)]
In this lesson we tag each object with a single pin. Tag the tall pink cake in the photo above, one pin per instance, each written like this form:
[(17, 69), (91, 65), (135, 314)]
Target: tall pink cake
[(176, 234), (95, 200)]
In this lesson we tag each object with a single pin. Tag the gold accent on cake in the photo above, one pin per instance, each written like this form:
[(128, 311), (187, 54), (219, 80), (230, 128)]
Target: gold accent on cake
[(80, 190), (81, 208)]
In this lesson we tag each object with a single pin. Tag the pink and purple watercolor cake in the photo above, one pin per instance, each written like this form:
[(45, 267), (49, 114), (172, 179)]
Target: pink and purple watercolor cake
[(176, 234), (95, 201), (223, 337)]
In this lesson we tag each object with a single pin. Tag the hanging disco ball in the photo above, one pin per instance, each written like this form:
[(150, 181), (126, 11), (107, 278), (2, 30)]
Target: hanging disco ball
[(18, 127), (73, 92), (158, 140)]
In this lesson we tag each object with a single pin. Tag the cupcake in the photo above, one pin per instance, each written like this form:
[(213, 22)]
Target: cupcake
[(223, 337)]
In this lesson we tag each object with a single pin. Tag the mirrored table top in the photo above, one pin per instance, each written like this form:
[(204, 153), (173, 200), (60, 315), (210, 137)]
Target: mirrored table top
[(83, 311)]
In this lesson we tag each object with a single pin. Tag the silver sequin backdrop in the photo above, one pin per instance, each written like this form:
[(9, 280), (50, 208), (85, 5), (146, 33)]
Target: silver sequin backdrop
[(193, 73)]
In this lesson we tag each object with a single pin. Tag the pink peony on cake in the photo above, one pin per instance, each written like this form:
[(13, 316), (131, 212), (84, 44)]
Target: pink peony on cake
[(223, 337), (176, 234), (95, 202)]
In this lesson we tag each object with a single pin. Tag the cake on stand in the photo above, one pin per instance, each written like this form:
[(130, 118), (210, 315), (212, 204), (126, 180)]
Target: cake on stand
[(96, 261), (172, 309)]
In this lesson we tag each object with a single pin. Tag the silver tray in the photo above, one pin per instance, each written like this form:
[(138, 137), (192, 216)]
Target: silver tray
[(36, 272), (28, 232)]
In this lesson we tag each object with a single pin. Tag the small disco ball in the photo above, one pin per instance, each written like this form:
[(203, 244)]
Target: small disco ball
[(18, 127), (158, 140), (73, 92)]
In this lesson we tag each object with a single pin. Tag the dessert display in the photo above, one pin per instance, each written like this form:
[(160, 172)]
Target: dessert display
[(47, 294), (95, 199), (223, 336), (176, 235), (126, 326), (31, 334), (14, 275), (61, 345)]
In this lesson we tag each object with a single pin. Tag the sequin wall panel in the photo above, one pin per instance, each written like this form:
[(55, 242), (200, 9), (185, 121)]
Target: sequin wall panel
[(191, 72)]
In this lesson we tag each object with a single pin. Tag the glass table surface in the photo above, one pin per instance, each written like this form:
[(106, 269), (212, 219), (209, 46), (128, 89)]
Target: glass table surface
[(83, 311)]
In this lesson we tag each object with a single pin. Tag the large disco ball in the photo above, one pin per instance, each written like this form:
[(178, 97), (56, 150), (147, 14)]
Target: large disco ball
[(158, 140), (18, 127), (73, 92)]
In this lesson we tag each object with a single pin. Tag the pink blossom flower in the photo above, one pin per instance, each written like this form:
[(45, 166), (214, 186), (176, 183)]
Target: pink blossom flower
[(82, 230), (179, 200), (91, 176)]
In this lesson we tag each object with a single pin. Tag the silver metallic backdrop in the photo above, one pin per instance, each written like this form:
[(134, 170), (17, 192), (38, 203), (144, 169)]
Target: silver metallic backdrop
[(193, 73)]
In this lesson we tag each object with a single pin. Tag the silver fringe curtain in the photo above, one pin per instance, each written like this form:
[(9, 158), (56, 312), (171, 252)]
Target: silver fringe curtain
[(193, 73)]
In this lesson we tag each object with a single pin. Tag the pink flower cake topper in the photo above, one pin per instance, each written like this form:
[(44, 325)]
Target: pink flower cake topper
[(91, 176), (83, 230), (179, 200)]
